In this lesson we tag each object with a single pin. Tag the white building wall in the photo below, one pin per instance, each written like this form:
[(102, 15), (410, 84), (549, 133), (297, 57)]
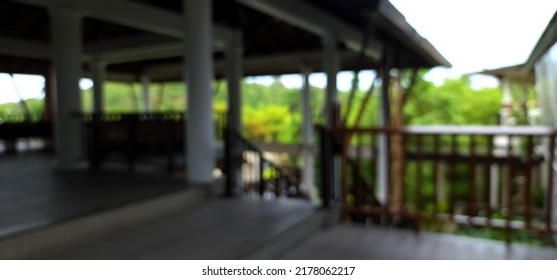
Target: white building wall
[(546, 88)]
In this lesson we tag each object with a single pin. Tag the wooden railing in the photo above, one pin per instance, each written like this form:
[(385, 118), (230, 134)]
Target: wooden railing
[(138, 138), (490, 176), (14, 127), (20, 118), (248, 170)]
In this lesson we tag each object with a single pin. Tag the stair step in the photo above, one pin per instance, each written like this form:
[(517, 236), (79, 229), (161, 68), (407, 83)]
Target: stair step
[(282, 241)]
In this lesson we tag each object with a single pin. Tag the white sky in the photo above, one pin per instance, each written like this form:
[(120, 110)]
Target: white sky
[(479, 34), (472, 34)]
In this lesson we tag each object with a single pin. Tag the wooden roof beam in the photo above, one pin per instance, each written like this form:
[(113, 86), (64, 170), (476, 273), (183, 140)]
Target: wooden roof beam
[(134, 15), (259, 65), (114, 51), (318, 22), (24, 48)]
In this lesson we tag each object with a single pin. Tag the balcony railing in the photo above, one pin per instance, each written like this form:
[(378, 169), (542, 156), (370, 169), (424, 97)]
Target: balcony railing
[(485, 176), (139, 138), (13, 126), (249, 170)]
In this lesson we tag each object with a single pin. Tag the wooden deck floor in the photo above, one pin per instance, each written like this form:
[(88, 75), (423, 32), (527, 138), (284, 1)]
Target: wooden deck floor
[(218, 229), (34, 199), (32, 195), (353, 242), (237, 229)]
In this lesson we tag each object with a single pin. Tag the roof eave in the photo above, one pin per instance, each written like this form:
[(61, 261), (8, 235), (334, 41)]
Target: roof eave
[(548, 39), (395, 23)]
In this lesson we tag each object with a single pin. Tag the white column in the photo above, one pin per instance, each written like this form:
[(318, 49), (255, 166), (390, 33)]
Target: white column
[(440, 182), (145, 93), (66, 58), (200, 149), (234, 74), (554, 206), (506, 107), (506, 110), (98, 67), (331, 66), (494, 186), (383, 141), (308, 172)]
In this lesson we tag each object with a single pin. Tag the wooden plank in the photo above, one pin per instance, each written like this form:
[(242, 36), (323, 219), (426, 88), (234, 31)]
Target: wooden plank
[(550, 174), (419, 181), (487, 186), (507, 186), (471, 207), (344, 172), (436, 147), (460, 130), (528, 185), (454, 151)]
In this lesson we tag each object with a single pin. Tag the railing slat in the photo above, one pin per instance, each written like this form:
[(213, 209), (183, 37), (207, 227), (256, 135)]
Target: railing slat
[(471, 207), (508, 202), (528, 185), (550, 174), (404, 168), (487, 188), (344, 171), (471, 170), (261, 178), (436, 147), (453, 178), (359, 191), (373, 162), (419, 180)]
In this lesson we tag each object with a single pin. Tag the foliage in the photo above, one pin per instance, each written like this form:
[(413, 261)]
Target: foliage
[(454, 102), (34, 105), (516, 236), (273, 113)]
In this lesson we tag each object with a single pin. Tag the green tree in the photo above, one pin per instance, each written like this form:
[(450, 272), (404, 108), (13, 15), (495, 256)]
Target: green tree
[(452, 103)]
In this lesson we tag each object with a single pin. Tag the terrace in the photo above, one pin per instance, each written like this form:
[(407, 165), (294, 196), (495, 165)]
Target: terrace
[(142, 185)]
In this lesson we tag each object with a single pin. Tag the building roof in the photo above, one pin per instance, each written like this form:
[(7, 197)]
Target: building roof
[(276, 40), (514, 73), (546, 41)]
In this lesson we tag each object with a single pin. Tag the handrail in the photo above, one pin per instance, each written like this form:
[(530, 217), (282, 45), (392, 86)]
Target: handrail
[(129, 136), (235, 146), (219, 118), (332, 146), (19, 118), (455, 130)]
